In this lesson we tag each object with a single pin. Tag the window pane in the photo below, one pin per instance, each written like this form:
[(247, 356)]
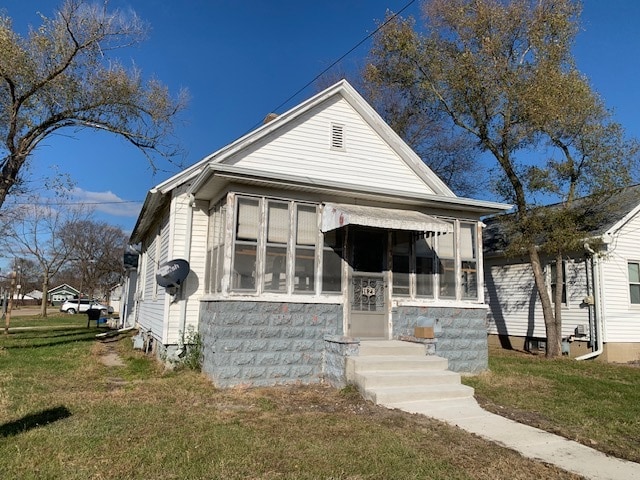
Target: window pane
[(332, 262), (220, 270), (445, 245), (467, 240), (634, 272), (400, 251), (307, 225), (248, 218), (447, 278), (275, 269), (634, 291), (278, 226), (244, 267), (304, 270), (424, 265), (469, 280), (213, 270)]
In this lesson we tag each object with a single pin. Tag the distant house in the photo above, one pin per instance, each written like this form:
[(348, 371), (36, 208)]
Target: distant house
[(128, 302), (601, 294), (61, 293), (316, 230)]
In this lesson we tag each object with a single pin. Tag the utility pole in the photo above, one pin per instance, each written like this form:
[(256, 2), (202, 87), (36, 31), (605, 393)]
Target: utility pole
[(11, 289)]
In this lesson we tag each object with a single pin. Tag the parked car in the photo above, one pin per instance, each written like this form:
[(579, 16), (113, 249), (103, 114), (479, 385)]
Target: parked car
[(71, 306)]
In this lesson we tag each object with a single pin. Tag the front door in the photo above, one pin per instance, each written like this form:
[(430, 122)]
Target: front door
[(368, 285)]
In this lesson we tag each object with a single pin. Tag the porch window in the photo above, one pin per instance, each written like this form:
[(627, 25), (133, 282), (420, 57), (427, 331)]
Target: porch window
[(634, 282), (401, 256), (215, 251), (306, 235), (469, 264), (430, 263), (275, 271), (276, 249), (332, 262), (246, 244), (425, 264), (447, 265)]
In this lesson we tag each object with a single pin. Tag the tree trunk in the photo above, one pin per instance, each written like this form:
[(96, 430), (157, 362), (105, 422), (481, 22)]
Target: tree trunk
[(553, 339), (560, 281), (45, 294)]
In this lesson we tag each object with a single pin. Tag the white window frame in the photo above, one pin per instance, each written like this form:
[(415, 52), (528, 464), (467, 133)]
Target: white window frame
[(262, 245), (629, 283)]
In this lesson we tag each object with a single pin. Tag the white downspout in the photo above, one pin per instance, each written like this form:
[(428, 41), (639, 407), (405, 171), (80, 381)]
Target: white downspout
[(187, 257), (597, 307)]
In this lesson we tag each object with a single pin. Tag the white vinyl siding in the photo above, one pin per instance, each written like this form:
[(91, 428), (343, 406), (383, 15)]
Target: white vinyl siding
[(514, 303), (621, 316), (196, 253), (365, 161), (152, 305)]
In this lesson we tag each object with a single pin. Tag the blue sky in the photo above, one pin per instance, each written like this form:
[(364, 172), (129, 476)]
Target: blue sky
[(241, 60)]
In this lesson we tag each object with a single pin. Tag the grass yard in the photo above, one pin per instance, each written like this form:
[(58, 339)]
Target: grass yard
[(64, 414), (594, 403)]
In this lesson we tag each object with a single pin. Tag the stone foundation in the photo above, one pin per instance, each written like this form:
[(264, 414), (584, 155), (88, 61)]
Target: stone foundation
[(266, 343), (461, 333)]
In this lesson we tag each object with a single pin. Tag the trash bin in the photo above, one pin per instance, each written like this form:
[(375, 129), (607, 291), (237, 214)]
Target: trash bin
[(93, 314)]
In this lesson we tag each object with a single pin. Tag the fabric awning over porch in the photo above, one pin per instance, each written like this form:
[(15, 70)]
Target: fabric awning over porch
[(336, 215)]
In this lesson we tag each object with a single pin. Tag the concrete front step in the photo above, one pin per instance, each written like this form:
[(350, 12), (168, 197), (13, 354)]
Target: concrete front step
[(396, 363), (401, 378), (395, 395), (395, 372), (391, 347)]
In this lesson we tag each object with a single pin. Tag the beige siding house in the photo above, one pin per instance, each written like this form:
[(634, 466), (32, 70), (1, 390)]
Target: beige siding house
[(317, 229), (601, 305)]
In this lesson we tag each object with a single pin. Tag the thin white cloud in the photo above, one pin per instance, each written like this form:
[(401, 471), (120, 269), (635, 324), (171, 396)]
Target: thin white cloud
[(107, 202)]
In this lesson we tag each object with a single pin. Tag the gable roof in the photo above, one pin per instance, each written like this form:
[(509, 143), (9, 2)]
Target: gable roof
[(223, 163), (63, 287), (611, 213)]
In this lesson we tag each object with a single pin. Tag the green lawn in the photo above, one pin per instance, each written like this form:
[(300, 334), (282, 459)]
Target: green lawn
[(594, 403), (64, 414)]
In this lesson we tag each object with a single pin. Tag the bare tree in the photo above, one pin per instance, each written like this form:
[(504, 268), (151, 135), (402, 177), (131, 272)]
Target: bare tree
[(98, 252), (61, 76), (35, 231)]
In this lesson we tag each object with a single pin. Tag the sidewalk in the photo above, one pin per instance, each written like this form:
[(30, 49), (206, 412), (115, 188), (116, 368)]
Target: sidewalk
[(528, 441)]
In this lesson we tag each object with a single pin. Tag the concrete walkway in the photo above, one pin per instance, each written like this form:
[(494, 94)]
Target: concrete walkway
[(530, 442)]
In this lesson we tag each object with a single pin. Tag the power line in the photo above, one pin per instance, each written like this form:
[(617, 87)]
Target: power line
[(44, 204), (341, 58)]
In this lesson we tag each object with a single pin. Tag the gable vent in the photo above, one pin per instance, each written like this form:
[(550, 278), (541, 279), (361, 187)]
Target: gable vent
[(337, 137)]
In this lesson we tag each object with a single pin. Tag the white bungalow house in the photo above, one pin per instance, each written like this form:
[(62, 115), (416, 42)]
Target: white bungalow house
[(601, 294), (317, 229), (61, 293)]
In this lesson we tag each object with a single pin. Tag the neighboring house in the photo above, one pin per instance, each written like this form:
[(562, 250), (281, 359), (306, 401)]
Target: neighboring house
[(61, 293), (601, 294), (128, 297), (115, 297), (317, 229)]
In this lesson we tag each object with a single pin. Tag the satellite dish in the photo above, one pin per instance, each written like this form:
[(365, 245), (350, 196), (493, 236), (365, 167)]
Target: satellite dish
[(172, 273)]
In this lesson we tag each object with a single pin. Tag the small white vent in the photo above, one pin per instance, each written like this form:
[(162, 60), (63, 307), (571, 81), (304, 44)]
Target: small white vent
[(337, 136)]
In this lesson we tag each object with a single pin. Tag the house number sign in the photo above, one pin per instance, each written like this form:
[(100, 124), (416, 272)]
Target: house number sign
[(368, 291)]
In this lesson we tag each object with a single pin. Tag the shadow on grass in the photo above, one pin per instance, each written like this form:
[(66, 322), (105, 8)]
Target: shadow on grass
[(35, 420), (40, 338)]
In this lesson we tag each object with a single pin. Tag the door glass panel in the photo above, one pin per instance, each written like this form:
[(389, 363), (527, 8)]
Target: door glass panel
[(369, 250)]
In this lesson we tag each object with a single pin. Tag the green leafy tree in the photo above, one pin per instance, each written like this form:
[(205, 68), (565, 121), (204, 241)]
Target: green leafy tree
[(62, 76), (503, 73)]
